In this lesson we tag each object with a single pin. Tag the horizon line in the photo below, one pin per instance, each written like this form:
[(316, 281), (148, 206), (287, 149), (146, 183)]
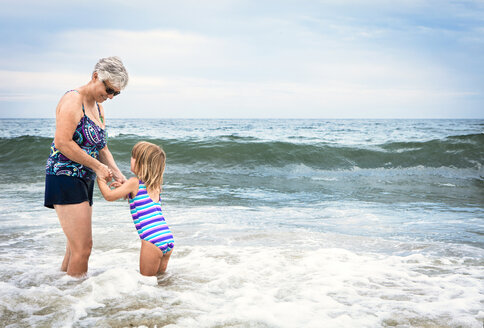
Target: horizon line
[(260, 118)]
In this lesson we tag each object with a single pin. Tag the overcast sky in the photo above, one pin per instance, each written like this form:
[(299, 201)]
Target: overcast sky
[(249, 59)]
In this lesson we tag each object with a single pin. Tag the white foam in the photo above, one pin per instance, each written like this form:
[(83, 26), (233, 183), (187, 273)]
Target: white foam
[(446, 185), (273, 286), (239, 266), (307, 288)]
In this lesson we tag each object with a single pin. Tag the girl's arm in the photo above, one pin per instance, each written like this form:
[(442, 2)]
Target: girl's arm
[(129, 187)]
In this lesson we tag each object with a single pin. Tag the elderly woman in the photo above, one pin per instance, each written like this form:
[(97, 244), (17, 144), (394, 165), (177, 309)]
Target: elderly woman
[(79, 153)]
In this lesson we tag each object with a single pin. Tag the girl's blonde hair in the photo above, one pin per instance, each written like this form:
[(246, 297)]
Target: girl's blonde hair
[(149, 164)]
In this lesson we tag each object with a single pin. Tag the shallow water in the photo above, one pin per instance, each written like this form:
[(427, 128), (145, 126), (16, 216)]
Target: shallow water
[(274, 240)]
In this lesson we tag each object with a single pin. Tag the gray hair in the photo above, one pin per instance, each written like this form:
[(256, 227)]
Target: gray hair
[(112, 69)]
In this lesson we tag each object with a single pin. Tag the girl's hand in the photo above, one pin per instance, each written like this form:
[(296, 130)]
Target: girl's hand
[(116, 184), (121, 190)]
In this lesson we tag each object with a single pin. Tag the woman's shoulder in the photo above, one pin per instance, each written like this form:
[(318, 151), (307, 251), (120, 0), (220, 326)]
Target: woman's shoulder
[(70, 101), (72, 96)]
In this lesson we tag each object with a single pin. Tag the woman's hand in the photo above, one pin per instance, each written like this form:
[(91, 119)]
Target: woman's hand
[(106, 157), (104, 173), (119, 177)]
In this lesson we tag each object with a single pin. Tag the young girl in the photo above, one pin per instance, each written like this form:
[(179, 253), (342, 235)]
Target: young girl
[(148, 164)]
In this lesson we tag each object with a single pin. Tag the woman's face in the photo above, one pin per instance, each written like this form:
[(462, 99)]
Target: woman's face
[(105, 90)]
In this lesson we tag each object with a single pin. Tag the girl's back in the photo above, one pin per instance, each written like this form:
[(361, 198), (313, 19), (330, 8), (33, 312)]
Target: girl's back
[(149, 221)]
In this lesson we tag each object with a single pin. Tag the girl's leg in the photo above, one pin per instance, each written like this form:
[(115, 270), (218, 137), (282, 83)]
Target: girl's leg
[(164, 262), (75, 220), (149, 259)]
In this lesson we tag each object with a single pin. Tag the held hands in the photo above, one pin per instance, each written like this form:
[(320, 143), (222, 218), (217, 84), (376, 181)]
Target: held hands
[(119, 180), (117, 184), (104, 173), (119, 177)]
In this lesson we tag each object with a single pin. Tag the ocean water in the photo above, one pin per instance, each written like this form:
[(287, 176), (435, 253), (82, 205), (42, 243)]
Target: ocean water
[(277, 223)]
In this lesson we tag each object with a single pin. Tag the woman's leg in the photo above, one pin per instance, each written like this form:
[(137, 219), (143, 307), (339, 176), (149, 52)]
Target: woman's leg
[(149, 259), (164, 262), (65, 262), (75, 220)]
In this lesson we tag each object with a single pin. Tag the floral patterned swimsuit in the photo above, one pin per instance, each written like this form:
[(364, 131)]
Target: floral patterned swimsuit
[(90, 137)]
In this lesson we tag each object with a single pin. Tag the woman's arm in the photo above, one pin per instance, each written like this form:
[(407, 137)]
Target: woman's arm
[(106, 157), (129, 187), (67, 117)]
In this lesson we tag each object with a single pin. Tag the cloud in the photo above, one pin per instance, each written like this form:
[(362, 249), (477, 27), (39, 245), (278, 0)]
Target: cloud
[(187, 72), (265, 60), (36, 86)]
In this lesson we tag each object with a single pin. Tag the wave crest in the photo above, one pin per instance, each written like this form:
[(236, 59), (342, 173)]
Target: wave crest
[(465, 151)]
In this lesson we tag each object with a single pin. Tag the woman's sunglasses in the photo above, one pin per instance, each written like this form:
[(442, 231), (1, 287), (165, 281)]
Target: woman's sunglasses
[(110, 91)]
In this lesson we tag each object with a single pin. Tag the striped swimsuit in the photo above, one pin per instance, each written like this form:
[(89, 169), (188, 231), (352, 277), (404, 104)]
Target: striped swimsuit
[(149, 221)]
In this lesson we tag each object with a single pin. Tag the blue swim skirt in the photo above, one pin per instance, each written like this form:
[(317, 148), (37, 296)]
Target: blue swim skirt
[(63, 190)]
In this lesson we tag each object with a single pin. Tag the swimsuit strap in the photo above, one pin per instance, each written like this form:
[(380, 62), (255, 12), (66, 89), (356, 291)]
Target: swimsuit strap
[(99, 111)]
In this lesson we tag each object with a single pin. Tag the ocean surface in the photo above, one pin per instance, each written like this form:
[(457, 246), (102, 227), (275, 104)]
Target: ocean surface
[(277, 223)]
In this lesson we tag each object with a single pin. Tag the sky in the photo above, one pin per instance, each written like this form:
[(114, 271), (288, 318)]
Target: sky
[(249, 59)]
